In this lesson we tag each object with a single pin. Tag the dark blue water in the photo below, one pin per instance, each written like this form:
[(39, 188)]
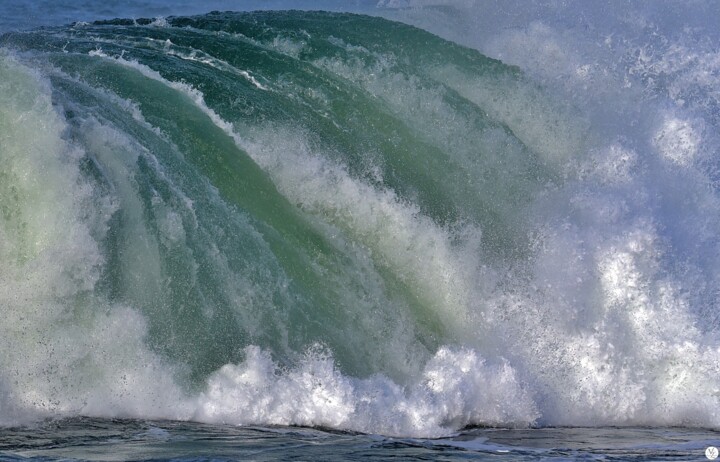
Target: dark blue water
[(120, 440)]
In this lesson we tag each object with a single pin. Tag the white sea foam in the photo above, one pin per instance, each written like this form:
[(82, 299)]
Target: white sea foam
[(620, 288), (399, 234), (456, 388), (63, 351), (600, 330), (611, 320)]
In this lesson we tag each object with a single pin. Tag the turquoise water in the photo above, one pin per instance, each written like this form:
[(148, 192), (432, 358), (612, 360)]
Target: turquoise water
[(330, 225)]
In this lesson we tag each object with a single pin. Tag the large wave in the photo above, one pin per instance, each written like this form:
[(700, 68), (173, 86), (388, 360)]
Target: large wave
[(337, 220)]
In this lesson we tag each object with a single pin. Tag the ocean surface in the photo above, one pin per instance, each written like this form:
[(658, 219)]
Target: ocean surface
[(435, 230)]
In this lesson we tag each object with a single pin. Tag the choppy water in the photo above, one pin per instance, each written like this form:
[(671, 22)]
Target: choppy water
[(120, 440), (348, 222)]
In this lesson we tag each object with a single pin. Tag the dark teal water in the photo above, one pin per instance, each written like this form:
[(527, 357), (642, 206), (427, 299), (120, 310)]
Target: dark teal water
[(121, 440)]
